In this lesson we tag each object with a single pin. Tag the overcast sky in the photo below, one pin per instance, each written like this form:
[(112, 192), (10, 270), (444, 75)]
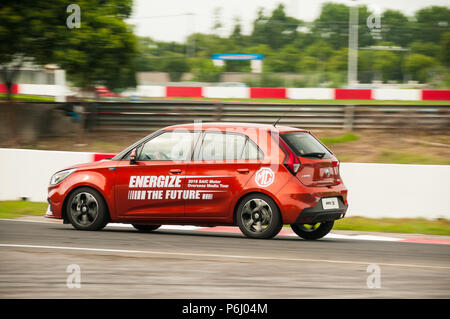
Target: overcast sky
[(168, 20)]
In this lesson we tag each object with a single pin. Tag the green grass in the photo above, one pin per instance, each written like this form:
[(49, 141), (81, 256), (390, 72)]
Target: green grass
[(349, 137), (402, 157), (376, 102), (29, 98), (14, 209), (395, 225)]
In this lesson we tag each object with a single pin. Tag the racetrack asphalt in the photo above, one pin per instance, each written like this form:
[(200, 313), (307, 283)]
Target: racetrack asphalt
[(120, 262)]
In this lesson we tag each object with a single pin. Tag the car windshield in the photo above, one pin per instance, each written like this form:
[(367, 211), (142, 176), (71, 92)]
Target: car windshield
[(305, 145)]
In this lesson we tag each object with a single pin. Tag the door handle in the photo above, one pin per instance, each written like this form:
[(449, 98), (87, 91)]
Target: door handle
[(243, 170), (175, 171)]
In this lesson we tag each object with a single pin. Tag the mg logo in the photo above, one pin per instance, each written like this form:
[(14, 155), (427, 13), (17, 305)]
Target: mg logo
[(264, 177)]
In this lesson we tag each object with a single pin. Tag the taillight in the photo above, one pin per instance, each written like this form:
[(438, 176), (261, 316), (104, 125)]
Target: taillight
[(291, 161)]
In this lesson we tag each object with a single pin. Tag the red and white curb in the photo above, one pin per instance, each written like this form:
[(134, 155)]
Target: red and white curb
[(287, 232)]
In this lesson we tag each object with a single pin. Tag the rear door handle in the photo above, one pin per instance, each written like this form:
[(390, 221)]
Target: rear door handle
[(175, 171), (243, 170)]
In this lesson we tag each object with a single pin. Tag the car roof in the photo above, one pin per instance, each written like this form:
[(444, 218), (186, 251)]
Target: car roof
[(225, 125)]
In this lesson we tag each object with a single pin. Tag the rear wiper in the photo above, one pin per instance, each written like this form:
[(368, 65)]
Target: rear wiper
[(314, 154)]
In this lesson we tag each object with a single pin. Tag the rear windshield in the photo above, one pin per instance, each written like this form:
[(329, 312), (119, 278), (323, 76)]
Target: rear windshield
[(304, 144)]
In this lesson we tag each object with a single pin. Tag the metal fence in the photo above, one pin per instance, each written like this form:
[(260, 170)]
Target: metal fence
[(146, 116)]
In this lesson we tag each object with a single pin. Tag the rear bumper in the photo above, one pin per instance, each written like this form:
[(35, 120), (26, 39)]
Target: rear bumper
[(317, 214)]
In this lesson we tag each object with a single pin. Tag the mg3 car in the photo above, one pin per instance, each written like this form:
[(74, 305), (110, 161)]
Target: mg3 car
[(258, 177)]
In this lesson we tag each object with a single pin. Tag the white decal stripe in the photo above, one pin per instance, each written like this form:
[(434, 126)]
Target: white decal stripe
[(203, 176), (211, 191)]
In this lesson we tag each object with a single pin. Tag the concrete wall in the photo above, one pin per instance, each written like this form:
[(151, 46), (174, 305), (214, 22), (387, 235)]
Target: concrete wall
[(397, 190), (26, 173), (375, 190)]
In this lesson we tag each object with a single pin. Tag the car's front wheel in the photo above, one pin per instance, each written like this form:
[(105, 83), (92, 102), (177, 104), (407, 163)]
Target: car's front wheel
[(86, 209), (258, 217), (312, 231), (146, 228)]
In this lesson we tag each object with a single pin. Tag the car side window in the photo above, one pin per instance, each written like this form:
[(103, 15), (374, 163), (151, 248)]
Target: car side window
[(226, 146), (168, 146), (251, 151)]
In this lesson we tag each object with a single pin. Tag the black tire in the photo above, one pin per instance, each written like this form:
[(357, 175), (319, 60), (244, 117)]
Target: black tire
[(97, 222), (322, 230), (245, 217), (146, 228)]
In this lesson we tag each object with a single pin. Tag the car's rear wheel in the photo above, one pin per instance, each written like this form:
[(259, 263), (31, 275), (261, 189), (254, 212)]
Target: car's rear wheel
[(146, 228), (86, 209), (312, 231), (258, 217)]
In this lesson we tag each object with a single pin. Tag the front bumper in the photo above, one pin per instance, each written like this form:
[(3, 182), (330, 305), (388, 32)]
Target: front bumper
[(317, 214), (49, 213)]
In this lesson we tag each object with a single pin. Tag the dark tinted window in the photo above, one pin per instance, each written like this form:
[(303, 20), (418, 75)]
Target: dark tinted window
[(303, 143)]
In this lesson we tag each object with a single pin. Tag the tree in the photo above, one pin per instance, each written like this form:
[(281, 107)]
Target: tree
[(101, 51), (332, 25), (432, 22), (206, 71), (425, 48), (286, 60), (387, 64), (445, 49), (176, 66), (276, 30), (418, 66), (396, 28)]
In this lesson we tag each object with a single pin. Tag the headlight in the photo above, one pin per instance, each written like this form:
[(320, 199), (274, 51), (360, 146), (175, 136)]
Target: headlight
[(60, 176)]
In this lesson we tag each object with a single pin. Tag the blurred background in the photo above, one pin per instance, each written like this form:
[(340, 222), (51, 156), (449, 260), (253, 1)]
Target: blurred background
[(370, 78), (345, 56)]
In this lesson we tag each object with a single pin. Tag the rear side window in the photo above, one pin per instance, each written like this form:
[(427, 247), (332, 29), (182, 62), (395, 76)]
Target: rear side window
[(304, 144), (225, 146)]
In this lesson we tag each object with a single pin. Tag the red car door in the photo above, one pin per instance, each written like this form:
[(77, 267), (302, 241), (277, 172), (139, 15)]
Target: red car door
[(222, 166), (153, 187)]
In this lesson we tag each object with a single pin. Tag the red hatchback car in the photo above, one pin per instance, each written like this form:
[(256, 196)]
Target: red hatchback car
[(256, 176)]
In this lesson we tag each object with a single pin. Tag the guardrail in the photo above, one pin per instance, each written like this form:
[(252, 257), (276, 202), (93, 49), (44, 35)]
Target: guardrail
[(140, 116)]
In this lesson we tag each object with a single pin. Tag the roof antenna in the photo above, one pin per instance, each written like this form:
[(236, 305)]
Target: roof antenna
[(276, 122)]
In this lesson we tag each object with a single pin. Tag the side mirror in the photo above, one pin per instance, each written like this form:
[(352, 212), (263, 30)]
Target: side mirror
[(133, 157)]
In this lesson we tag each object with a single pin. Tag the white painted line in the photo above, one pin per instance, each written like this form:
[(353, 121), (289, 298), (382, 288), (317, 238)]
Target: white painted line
[(165, 227), (56, 221), (362, 237), (219, 256)]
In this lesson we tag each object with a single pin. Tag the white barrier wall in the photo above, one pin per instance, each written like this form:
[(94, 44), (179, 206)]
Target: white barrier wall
[(150, 91), (310, 93), (397, 95), (375, 190), (226, 92), (43, 89), (397, 190), (26, 173)]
